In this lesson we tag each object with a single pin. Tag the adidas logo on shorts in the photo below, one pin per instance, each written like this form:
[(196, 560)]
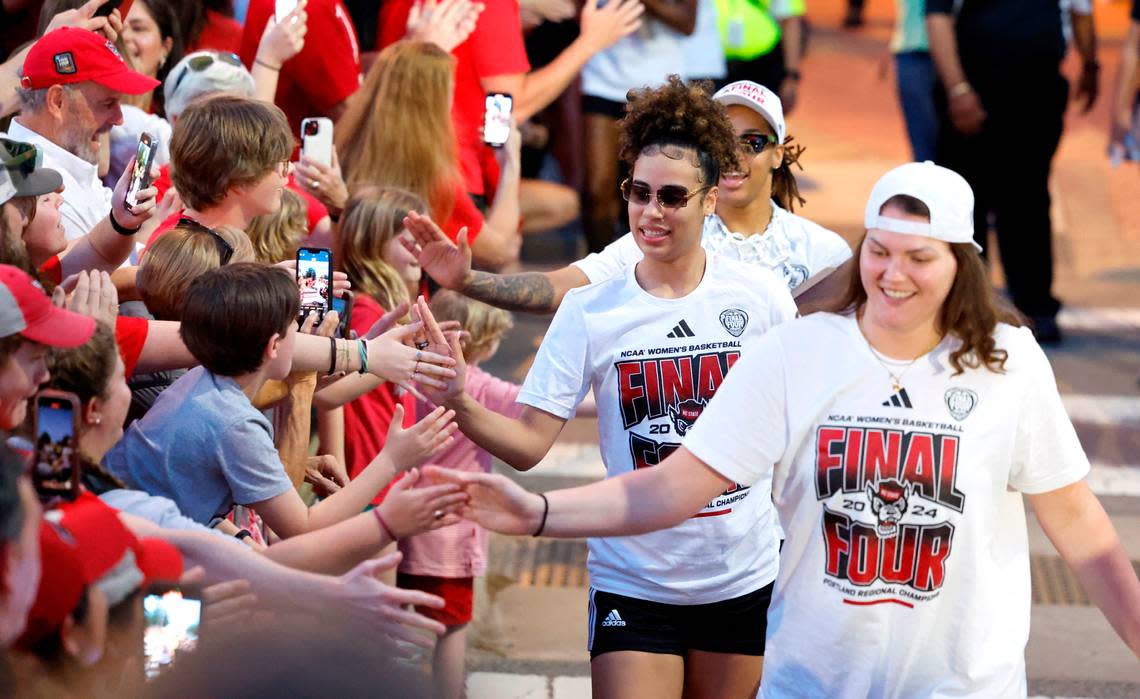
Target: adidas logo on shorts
[(613, 619)]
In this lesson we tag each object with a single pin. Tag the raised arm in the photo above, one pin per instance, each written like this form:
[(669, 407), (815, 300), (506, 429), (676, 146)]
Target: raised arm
[(1080, 529), (450, 264)]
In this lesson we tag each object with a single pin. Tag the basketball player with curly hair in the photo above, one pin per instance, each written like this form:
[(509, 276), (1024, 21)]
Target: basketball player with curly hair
[(680, 612)]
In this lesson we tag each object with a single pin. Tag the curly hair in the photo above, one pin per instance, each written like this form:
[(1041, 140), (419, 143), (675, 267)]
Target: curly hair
[(679, 115)]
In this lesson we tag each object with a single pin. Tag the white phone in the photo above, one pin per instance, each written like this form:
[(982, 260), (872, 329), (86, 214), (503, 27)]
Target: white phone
[(317, 140), (283, 8), (497, 119)]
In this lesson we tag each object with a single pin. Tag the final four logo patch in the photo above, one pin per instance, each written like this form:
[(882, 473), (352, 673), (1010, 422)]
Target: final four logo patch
[(734, 321), (960, 402), (64, 63)]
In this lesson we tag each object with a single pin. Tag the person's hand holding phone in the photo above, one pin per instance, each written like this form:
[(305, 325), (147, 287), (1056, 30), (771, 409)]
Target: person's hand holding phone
[(325, 182), (134, 216), (284, 38), (86, 17)]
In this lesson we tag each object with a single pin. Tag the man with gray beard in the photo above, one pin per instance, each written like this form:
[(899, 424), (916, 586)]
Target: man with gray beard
[(71, 84)]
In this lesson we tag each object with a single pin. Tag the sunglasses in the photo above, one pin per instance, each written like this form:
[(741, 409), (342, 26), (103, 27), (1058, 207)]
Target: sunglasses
[(201, 63), (671, 196), (225, 250), (755, 142)]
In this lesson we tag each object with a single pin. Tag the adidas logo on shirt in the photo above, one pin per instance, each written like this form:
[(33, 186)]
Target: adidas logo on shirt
[(682, 329), (613, 618), (899, 400)]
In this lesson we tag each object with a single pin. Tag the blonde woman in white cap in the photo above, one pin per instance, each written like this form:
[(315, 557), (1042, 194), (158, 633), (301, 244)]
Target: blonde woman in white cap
[(897, 433), (753, 223)]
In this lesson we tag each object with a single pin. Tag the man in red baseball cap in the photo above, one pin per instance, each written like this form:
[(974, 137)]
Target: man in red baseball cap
[(71, 85)]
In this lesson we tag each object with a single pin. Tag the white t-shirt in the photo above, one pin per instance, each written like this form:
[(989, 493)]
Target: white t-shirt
[(704, 54), (643, 59), (905, 572), (653, 363), (792, 246)]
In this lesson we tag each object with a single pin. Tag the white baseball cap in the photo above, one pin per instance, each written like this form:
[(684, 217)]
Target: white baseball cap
[(757, 98), (945, 193)]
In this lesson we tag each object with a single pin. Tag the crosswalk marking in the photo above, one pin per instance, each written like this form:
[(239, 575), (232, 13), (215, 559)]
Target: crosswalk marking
[(1107, 411), (1107, 320)]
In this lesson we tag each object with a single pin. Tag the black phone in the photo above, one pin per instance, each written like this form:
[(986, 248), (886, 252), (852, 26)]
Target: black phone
[(343, 307), (55, 469), (108, 7), (140, 176), (173, 615), (314, 281), (497, 119)]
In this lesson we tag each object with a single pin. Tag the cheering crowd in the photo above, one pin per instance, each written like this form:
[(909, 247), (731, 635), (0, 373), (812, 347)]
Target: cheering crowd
[(249, 271)]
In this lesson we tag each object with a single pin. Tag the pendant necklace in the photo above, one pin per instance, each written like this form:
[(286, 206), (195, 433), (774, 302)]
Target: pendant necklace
[(896, 379)]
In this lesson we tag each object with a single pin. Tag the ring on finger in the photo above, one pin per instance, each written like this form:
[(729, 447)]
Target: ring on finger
[(422, 345), (438, 514), (419, 356)]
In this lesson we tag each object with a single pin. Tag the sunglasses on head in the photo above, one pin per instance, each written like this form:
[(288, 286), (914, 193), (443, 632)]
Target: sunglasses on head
[(755, 142), (671, 196), (225, 250), (201, 63)]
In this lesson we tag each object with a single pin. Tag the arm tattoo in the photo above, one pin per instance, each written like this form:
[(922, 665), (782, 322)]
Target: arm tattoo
[(530, 291)]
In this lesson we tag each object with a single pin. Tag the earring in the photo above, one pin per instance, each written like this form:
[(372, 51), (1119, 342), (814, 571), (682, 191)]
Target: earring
[(98, 419)]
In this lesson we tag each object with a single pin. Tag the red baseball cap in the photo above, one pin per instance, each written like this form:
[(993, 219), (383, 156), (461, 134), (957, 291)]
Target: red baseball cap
[(83, 543), (72, 55), (27, 310)]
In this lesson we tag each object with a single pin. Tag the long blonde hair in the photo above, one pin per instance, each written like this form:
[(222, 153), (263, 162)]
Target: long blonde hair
[(276, 236), (373, 217), (397, 130)]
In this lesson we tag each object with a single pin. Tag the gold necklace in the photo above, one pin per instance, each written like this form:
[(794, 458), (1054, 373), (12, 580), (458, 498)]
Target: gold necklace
[(896, 379)]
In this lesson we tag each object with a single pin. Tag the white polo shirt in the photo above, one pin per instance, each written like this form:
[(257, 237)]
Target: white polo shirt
[(85, 200)]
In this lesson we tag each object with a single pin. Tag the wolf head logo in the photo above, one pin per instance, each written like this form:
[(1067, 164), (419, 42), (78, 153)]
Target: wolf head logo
[(685, 413), (889, 503)]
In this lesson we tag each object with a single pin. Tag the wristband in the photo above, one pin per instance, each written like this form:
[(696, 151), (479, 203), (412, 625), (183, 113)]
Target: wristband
[(120, 228), (243, 534), (263, 64), (383, 524), (959, 90), (332, 356), (545, 511), (363, 349)]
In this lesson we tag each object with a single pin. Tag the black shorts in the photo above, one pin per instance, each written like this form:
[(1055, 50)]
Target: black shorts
[(603, 106), (626, 623)]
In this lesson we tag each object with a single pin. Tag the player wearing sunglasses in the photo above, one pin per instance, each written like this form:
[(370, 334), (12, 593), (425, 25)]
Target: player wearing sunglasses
[(678, 612), (753, 222)]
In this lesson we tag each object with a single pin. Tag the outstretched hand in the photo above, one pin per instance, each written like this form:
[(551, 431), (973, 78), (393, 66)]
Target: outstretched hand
[(360, 591), (494, 501), (413, 506), (446, 262), (410, 447)]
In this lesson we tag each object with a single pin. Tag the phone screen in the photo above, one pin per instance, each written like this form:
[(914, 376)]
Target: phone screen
[(55, 473), (314, 277), (108, 7), (282, 8), (343, 307), (497, 119), (172, 619), (140, 176)]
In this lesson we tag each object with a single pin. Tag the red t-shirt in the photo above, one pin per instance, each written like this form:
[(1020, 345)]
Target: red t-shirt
[(131, 334), (494, 48), (324, 74), (220, 33), (463, 213), (367, 418)]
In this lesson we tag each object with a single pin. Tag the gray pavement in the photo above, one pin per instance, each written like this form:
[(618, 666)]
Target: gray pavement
[(528, 638)]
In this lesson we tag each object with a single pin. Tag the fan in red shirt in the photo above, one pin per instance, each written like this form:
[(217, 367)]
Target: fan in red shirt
[(398, 132), (317, 81)]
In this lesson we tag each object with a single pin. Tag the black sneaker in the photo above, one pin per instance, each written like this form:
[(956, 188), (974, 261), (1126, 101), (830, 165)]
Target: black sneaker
[(1046, 330)]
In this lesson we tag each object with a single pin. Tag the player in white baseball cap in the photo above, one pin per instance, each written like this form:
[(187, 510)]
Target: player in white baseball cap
[(898, 436)]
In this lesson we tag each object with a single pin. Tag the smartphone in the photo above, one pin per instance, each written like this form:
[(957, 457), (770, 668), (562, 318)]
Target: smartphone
[(317, 140), (55, 471), (497, 119), (108, 7), (282, 8), (343, 307), (314, 280), (144, 158), (172, 616)]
